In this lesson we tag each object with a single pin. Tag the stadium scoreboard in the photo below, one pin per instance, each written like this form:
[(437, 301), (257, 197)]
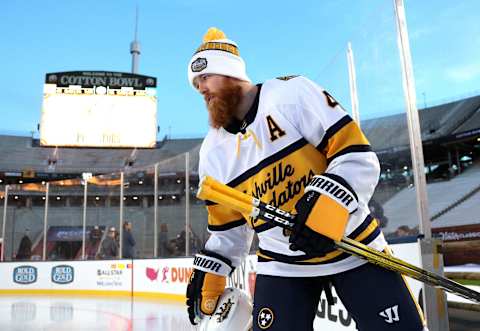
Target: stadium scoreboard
[(99, 109)]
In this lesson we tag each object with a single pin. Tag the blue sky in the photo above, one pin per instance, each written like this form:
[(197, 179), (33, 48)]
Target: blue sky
[(275, 38)]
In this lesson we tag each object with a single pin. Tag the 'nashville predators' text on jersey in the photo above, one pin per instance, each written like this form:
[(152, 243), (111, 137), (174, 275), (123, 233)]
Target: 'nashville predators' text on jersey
[(293, 131)]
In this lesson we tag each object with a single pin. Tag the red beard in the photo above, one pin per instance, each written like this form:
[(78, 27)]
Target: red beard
[(224, 104)]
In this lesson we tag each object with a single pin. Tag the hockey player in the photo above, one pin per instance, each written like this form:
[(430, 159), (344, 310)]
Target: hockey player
[(289, 143)]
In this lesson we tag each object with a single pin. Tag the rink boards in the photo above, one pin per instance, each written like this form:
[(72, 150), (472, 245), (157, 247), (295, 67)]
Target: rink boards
[(153, 279)]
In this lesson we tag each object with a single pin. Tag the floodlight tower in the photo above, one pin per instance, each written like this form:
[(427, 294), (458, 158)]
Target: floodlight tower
[(135, 46)]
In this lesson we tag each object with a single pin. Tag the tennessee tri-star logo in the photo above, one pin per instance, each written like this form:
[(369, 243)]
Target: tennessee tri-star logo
[(265, 318)]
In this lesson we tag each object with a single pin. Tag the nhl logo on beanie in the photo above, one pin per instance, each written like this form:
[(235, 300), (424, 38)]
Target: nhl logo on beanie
[(199, 64)]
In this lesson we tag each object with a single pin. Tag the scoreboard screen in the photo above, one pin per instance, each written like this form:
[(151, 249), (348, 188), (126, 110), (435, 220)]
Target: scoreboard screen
[(99, 109)]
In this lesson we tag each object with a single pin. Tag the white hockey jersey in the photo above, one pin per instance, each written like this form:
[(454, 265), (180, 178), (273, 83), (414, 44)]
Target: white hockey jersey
[(293, 131)]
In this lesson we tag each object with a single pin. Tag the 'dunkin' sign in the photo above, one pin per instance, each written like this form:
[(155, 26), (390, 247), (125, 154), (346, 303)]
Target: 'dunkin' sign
[(62, 274), (25, 274)]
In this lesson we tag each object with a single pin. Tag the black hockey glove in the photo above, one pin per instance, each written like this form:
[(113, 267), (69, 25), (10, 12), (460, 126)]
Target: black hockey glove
[(303, 238), (206, 284), (322, 215)]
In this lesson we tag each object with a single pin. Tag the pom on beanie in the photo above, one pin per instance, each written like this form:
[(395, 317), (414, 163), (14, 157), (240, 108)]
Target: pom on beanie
[(213, 34)]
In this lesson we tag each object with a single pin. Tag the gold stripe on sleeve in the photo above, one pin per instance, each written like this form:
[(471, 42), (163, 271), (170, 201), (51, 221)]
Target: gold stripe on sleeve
[(347, 136)]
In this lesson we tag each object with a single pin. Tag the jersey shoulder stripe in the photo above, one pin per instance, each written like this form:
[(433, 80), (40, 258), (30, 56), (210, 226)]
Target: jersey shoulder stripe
[(351, 149), (331, 131), (342, 138)]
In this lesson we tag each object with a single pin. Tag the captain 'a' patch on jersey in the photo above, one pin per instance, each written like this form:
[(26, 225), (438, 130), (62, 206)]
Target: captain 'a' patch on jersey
[(295, 133), (274, 129)]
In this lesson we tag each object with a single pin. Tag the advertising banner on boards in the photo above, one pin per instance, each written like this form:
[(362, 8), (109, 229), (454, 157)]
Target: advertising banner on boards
[(114, 275)]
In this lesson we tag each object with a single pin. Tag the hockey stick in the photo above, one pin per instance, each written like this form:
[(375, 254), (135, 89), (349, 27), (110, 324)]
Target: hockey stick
[(212, 190)]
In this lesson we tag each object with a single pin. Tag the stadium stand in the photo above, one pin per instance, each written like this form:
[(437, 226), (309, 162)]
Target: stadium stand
[(390, 134), (441, 195), (25, 153), (467, 212)]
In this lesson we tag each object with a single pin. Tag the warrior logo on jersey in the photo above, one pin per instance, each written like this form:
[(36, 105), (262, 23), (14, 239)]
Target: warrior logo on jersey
[(199, 64), (390, 314), (265, 318), (275, 131)]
